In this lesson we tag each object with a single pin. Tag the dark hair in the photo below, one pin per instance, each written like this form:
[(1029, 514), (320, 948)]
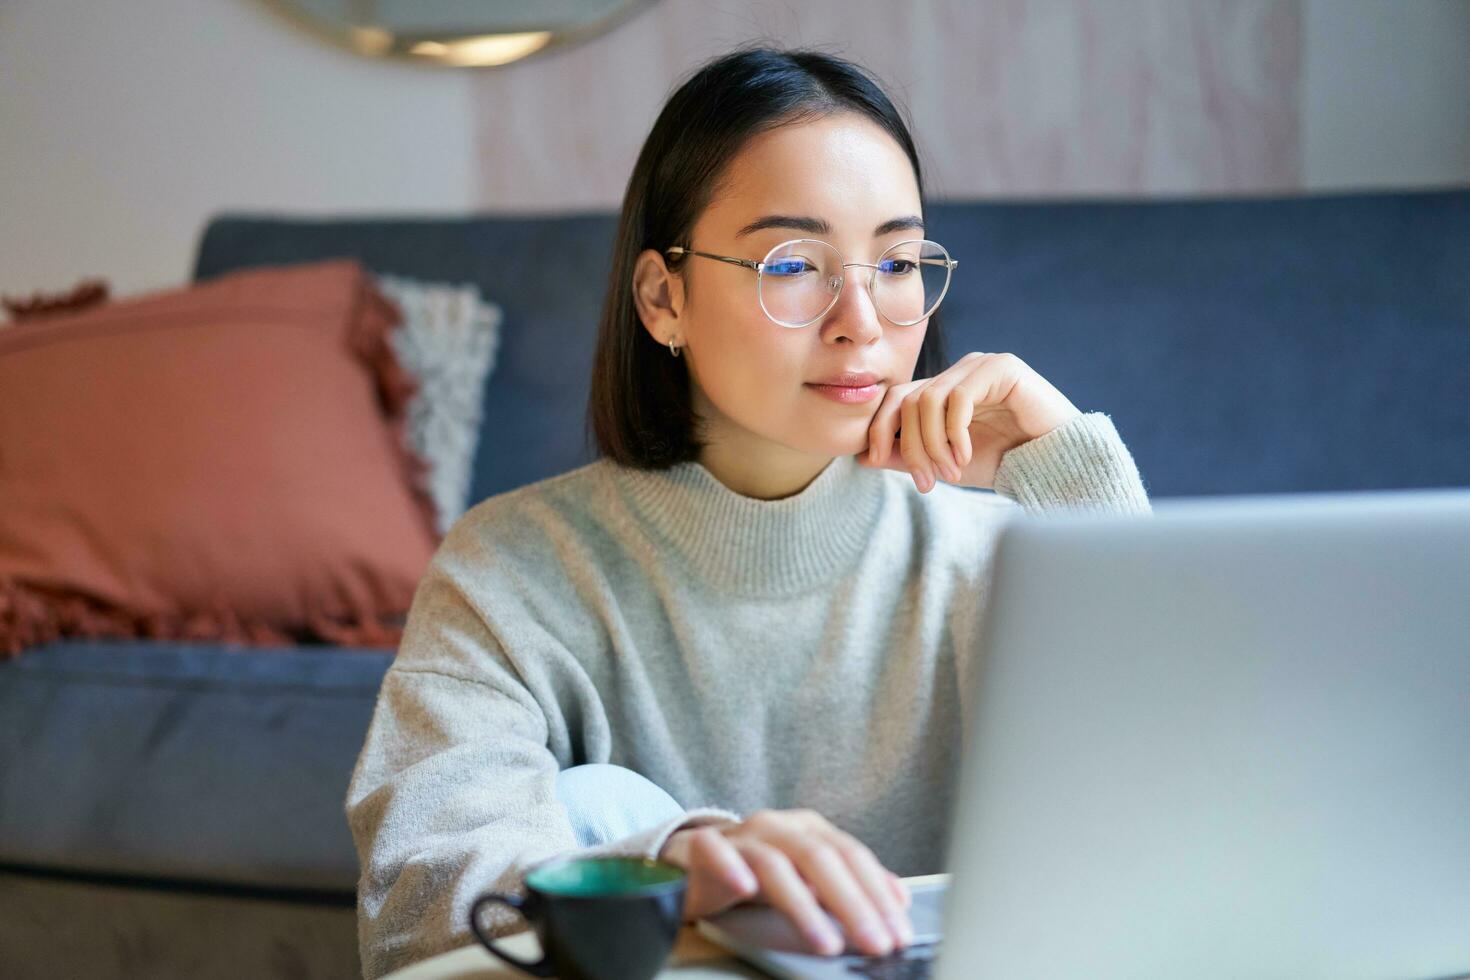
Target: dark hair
[(639, 410)]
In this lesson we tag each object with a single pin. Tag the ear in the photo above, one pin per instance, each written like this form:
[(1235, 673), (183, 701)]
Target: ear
[(659, 296)]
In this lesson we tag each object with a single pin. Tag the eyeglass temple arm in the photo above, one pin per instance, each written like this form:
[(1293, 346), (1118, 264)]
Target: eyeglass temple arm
[(747, 263), (752, 264)]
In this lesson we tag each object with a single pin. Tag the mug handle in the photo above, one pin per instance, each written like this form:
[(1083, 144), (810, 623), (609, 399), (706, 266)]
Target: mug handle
[(539, 968)]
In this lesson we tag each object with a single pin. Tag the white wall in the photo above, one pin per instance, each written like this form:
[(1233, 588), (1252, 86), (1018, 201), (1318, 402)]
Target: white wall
[(1386, 95), (124, 126)]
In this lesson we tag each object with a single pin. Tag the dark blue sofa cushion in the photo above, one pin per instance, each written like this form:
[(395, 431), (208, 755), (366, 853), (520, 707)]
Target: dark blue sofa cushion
[(185, 762), (1241, 345)]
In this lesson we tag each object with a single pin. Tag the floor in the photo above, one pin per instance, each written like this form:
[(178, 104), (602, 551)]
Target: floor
[(60, 928)]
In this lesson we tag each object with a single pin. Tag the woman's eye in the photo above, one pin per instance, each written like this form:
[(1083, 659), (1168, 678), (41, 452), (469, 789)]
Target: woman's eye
[(789, 267), (897, 267)]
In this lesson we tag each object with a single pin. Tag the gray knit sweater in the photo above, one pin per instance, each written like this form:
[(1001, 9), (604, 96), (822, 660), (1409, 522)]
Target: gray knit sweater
[(740, 653)]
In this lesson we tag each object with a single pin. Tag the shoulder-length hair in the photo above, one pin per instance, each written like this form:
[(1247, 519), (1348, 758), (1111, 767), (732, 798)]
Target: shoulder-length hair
[(639, 411)]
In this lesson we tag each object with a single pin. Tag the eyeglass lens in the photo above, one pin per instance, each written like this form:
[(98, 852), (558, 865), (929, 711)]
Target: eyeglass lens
[(800, 281)]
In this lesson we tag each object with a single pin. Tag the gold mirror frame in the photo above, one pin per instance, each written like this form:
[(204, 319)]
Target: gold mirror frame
[(467, 49)]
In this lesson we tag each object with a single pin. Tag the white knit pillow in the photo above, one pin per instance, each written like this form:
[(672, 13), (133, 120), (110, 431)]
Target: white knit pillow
[(448, 340)]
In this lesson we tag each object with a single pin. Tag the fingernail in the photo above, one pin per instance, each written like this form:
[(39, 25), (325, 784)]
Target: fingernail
[(824, 940), (901, 929), (875, 938)]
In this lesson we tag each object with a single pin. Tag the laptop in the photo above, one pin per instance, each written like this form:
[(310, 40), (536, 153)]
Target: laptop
[(1230, 739)]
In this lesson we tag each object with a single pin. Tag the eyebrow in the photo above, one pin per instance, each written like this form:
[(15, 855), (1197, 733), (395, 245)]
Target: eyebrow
[(816, 226)]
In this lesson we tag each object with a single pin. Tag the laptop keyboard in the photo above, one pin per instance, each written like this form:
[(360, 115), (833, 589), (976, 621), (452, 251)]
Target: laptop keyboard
[(910, 963)]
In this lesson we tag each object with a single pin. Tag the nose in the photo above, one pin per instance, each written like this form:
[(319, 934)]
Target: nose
[(853, 317)]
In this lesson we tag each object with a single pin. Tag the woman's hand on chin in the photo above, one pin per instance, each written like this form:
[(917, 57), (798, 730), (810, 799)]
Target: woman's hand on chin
[(959, 424)]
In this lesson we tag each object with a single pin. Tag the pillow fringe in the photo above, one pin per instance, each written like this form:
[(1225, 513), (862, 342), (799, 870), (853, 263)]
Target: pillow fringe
[(31, 617), (85, 294), (396, 387)]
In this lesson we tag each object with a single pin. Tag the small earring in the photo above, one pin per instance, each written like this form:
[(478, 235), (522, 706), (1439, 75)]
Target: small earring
[(672, 349)]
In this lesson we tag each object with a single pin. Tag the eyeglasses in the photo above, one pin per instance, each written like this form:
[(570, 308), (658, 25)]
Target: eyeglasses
[(799, 281)]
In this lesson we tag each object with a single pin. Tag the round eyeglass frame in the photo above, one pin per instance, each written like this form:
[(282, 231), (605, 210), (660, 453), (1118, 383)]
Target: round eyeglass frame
[(759, 269)]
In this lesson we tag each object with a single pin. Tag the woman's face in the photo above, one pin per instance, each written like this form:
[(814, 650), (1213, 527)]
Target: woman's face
[(843, 180)]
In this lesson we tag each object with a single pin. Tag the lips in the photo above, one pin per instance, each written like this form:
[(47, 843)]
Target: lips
[(848, 379), (848, 388)]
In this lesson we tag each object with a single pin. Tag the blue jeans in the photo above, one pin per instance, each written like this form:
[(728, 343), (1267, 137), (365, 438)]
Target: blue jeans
[(607, 802)]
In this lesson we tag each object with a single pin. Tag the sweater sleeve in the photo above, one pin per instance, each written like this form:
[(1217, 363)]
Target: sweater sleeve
[(1080, 465), (454, 792)]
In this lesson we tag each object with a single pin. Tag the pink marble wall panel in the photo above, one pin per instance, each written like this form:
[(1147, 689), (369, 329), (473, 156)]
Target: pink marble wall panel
[(1012, 98)]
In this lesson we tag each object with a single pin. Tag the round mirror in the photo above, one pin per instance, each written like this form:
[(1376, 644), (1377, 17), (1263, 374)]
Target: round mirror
[(460, 33)]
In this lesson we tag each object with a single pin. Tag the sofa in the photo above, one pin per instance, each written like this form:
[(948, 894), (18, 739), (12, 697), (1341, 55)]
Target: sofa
[(175, 809)]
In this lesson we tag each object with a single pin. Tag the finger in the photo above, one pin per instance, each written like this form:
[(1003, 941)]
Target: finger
[(893, 461), (885, 423), (884, 427), (784, 889), (718, 875), (877, 881), (947, 420), (933, 431), (832, 879), (992, 379), (901, 890), (911, 445), (959, 414)]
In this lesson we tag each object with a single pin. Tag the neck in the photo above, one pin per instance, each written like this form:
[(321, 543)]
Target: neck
[(773, 476), (752, 466)]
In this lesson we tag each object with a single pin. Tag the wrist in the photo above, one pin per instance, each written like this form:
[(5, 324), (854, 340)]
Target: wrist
[(676, 841)]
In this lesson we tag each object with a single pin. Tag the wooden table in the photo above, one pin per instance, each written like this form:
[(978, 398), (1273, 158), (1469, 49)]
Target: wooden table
[(693, 957)]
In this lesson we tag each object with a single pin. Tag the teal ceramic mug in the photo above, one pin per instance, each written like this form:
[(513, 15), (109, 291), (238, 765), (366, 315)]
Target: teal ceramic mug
[(604, 918)]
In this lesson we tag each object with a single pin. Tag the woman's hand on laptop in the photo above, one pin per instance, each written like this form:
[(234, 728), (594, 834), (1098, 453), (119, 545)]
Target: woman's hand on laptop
[(799, 863), (958, 424)]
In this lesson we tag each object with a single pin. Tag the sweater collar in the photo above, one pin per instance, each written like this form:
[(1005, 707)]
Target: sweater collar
[(748, 546)]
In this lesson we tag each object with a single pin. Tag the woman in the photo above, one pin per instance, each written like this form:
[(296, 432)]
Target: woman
[(746, 601)]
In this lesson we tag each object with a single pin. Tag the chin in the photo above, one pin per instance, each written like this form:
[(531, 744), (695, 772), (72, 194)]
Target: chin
[(819, 434), (837, 444)]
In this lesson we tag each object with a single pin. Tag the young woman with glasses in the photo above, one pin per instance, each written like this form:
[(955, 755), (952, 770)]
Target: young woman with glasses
[(738, 641)]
